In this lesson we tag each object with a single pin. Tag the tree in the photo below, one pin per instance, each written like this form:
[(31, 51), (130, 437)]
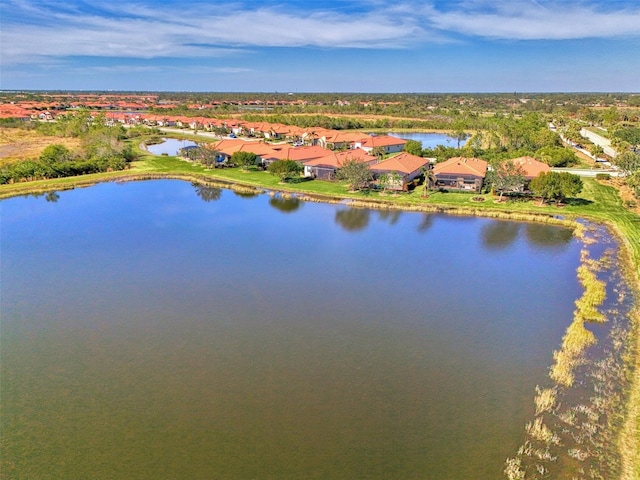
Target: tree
[(508, 177), (244, 159), (378, 152), (634, 183), (285, 169), (430, 180), (203, 154), (458, 131), (54, 154), (356, 174), (631, 135), (596, 151), (555, 186), (414, 147), (383, 181), (628, 162), (556, 156)]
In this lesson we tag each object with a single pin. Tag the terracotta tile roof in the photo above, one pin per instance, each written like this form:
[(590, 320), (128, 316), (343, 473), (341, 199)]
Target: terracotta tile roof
[(382, 141), (402, 163), (532, 167), (337, 159), (299, 154), (346, 137), (461, 166), (226, 144)]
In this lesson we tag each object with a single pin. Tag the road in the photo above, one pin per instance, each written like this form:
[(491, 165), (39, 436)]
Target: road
[(582, 172), (605, 143)]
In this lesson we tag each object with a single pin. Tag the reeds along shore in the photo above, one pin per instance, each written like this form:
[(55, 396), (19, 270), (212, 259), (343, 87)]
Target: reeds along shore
[(581, 429)]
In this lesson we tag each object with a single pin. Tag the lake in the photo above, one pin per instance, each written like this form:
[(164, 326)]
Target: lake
[(164, 330), (429, 140), (170, 146)]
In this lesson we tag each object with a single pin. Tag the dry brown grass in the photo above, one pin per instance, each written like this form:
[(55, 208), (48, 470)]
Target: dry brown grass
[(18, 144)]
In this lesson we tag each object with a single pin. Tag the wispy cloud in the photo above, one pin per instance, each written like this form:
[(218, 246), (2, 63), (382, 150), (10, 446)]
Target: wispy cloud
[(538, 20), (35, 30), (138, 31)]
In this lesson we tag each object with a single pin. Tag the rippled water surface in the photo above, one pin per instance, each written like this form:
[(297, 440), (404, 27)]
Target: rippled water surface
[(160, 330)]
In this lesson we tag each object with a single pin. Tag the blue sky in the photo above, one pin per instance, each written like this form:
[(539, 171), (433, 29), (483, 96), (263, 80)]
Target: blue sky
[(321, 46)]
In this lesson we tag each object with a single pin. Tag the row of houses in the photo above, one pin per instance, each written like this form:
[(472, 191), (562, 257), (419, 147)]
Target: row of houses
[(458, 173), (323, 137)]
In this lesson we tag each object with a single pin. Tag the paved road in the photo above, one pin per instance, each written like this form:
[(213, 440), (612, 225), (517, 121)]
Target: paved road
[(605, 143), (583, 172)]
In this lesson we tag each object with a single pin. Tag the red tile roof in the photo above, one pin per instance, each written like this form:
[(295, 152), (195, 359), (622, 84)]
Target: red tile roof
[(299, 154), (402, 163), (462, 166), (382, 141), (337, 159), (532, 167)]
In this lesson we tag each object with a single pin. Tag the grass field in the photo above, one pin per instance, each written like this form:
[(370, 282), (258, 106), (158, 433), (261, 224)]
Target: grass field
[(18, 144)]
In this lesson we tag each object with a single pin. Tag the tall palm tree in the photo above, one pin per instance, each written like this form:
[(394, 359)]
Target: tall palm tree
[(429, 180)]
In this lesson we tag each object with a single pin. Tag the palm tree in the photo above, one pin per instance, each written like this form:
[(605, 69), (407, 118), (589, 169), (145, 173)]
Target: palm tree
[(429, 180)]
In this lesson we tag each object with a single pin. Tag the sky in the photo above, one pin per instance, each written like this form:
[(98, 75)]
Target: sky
[(321, 46)]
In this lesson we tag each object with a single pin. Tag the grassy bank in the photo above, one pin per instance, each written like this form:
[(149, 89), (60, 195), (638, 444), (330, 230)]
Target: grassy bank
[(597, 202)]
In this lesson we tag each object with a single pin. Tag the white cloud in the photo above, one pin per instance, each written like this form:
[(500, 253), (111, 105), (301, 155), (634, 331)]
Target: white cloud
[(201, 32), (35, 30), (537, 20)]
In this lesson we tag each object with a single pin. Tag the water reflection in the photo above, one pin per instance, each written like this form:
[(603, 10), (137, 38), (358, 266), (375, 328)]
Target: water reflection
[(284, 204), (353, 219), (390, 216), (499, 235), (52, 197), (246, 194), (542, 235), (207, 193), (426, 223)]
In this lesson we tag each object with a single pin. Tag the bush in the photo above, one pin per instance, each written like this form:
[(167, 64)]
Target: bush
[(602, 176)]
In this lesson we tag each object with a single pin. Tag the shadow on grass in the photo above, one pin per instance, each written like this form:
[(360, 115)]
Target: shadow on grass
[(298, 180), (577, 202)]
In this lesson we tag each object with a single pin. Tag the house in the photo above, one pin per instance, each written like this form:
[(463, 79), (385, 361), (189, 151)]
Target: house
[(531, 167), (404, 166), (337, 140), (387, 143), (227, 147), (325, 167), (297, 154), (460, 173)]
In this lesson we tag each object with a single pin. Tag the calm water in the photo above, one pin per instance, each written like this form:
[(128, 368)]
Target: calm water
[(157, 330), (429, 140), (170, 146)]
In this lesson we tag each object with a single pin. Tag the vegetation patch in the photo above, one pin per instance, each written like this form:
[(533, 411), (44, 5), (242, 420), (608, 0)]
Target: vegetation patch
[(575, 422)]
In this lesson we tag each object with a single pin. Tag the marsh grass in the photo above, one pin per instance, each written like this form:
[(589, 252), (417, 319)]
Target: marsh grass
[(592, 431), (545, 399)]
